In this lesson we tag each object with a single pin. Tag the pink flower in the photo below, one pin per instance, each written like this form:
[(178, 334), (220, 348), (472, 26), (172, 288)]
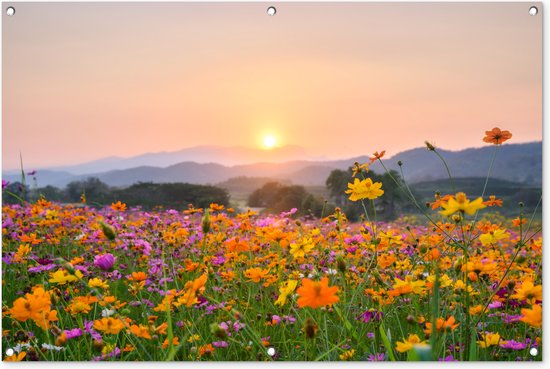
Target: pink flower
[(105, 261)]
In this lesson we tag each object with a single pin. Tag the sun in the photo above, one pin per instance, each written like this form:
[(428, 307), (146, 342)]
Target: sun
[(270, 141)]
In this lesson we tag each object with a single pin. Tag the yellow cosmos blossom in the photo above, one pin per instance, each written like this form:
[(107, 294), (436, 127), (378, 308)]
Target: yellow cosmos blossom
[(489, 339), (492, 238), (460, 203), (365, 189), (528, 292), (408, 285), (286, 289), (97, 283), (62, 276), (302, 248), (409, 343), (347, 355)]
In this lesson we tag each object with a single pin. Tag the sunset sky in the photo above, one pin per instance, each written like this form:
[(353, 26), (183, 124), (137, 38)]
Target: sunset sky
[(86, 81)]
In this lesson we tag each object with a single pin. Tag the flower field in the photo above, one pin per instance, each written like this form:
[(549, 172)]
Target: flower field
[(118, 283)]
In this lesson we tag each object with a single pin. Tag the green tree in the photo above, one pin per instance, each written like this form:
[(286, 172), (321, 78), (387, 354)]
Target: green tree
[(387, 206)]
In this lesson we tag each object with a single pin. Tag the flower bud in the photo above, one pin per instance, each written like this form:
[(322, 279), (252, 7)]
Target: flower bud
[(108, 230), (206, 222), (310, 328)]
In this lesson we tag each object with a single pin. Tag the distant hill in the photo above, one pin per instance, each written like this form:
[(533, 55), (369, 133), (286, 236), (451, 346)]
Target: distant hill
[(520, 163), (228, 156), (514, 162)]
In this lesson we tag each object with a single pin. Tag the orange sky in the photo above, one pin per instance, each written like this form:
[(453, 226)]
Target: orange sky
[(85, 81)]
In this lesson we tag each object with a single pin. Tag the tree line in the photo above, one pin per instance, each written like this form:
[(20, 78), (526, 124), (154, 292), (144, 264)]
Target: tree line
[(272, 196), (146, 194)]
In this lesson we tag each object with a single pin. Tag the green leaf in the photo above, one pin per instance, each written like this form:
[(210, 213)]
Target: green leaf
[(472, 355), (387, 343)]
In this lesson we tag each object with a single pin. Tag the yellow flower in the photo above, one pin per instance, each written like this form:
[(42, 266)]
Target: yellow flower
[(489, 339), (528, 292), (460, 202), (492, 238), (77, 307), (300, 249), (409, 343), (286, 289), (62, 276), (23, 250), (365, 189), (347, 355), (96, 282)]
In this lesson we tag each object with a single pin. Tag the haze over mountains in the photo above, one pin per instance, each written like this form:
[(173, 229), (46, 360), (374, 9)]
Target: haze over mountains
[(212, 165)]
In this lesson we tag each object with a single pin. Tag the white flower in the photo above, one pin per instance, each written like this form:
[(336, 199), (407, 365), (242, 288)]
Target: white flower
[(20, 346), (332, 272), (47, 346), (107, 312)]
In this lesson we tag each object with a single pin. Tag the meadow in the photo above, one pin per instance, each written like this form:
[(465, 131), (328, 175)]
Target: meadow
[(457, 282)]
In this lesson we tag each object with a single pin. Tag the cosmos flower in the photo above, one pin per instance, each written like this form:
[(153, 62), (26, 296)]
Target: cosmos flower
[(409, 343), (527, 291), (489, 339), (316, 294), (532, 316), (365, 189), (104, 261), (496, 136), (460, 203), (109, 325), (286, 289)]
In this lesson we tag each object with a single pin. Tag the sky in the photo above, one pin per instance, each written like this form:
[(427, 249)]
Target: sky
[(86, 81)]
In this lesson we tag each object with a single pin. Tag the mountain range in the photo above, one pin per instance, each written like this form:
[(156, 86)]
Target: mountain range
[(513, 162)]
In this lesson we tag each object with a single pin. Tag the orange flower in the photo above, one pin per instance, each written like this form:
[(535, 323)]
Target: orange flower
[(46, 318), (206, 350), (496, 136), (137, 276), (532, 316), (109, 325), (20, 356), (516, 222), (442, 325), (175, 342), (493, 201), (118, 206), (255, 274), (439, 200), (377, 156), (31, 306), (237, 245), (316, 294), (140, 331)]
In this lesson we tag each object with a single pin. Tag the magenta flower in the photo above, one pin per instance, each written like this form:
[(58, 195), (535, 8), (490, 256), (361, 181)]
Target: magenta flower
[(105, 261), (5, 183), (513, 345)]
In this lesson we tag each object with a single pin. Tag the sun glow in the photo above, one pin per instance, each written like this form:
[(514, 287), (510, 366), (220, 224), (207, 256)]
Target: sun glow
[(269, 141)]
